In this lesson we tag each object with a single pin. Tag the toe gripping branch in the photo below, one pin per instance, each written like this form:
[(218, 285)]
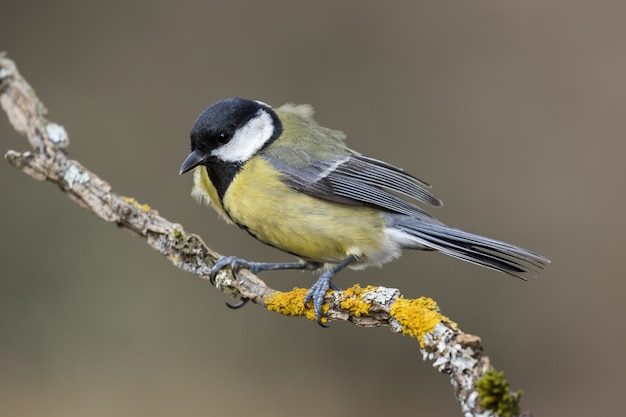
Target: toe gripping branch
[(316, 293), (235, 265), (323, 284)]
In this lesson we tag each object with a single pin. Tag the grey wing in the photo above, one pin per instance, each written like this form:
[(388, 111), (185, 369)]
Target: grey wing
[(359, 180)]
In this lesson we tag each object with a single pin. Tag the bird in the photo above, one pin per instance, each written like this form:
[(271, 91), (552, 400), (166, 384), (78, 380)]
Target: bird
[(296, 186)]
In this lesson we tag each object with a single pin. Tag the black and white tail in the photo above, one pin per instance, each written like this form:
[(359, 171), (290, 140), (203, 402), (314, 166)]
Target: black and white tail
[(469, 247)]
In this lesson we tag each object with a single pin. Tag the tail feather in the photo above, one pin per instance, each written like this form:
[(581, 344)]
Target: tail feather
[(469, 247)]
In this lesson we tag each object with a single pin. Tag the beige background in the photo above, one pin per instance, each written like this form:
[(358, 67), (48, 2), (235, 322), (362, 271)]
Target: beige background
[(515, 111)]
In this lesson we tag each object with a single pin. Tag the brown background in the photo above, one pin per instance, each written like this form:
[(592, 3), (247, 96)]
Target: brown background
[(515, 111)]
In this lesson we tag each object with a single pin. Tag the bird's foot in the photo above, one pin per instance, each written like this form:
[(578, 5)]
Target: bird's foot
[(323, 284), (236, 264), (317, 292)]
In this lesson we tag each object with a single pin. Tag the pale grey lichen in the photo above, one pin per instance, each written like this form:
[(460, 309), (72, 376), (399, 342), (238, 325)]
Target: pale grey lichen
[(379, 295), (57, 134), (446, 355), (73, 175), (395, 325)]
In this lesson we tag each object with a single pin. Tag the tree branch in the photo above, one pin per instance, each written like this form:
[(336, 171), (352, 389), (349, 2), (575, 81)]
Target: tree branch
[(480, 390)]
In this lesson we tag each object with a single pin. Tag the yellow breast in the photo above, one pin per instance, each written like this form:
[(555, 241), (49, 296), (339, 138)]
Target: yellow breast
[(309, 227)]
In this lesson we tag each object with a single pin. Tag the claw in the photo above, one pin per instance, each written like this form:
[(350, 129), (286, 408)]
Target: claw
[(316, 294), (235, 265), (242, 302), (222, 263)]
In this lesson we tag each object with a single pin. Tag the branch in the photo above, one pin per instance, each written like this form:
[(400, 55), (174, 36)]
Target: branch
[(480, 390)]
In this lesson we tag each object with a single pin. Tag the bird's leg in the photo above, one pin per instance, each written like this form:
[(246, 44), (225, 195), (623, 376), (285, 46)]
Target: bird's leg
[(255, 267), (323, 284)]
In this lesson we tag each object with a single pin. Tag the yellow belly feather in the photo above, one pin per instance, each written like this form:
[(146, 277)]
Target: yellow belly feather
[(309, 227)]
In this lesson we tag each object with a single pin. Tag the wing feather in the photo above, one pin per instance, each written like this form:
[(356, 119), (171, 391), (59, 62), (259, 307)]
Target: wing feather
[(379, 173), (358, 180)]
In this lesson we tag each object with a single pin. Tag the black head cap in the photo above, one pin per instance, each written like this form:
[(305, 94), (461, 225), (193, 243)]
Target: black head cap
[(218, 123), (222, 119)]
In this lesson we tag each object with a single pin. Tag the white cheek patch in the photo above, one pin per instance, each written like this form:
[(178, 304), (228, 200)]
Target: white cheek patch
[(247, 140)]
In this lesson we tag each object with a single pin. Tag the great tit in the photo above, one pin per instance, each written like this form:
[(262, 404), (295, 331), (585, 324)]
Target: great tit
[(296, 186)]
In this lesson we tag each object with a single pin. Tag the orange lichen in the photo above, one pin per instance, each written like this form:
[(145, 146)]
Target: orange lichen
[(130, 200), (291, 303), (353, 300), (418, 317)]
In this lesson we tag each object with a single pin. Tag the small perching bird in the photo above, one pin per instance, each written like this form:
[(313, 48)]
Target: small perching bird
[(296, 186)]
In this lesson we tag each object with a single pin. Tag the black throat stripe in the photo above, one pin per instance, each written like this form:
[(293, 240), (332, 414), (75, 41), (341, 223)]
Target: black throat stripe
[(221, 175)]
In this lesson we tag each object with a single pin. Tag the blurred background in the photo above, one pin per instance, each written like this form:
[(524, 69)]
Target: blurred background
[(514, 111)]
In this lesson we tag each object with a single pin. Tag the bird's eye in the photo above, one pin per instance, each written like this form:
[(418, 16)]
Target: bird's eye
[(223, 137)]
